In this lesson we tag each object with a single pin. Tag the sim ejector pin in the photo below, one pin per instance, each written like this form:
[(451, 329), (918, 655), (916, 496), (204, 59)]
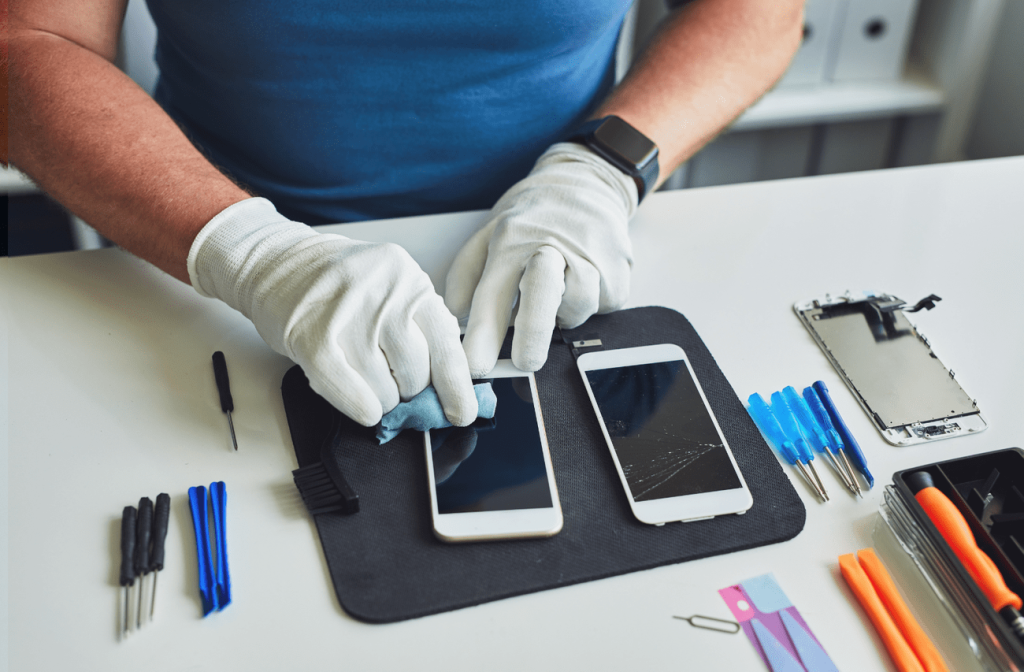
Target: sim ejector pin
[(709, 623)]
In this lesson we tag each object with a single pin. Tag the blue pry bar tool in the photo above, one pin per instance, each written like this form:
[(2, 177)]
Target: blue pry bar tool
[(214, 579), (219, 500), (850, 446)]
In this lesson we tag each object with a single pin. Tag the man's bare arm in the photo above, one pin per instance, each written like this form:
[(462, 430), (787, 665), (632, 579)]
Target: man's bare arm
[(708, 62), (98, 143)]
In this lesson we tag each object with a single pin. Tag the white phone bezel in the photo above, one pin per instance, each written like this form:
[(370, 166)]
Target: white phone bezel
[(686, 508), (511, 524)]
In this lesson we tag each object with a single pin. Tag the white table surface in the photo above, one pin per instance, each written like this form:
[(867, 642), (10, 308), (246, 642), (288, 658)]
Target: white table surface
[(110, 397)]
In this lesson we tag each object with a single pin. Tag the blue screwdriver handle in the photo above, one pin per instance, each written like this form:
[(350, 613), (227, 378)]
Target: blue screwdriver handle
[(770, 428), (784, 414), (850, 444), (802, 412), (835, 443), (219, 500), (197, 503)]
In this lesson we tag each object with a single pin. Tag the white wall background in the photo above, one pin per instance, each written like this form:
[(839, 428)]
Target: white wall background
[(998, 127)]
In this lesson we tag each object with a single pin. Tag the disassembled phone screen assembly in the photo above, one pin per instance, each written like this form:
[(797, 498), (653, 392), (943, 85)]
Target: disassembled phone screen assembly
[(890, 367)]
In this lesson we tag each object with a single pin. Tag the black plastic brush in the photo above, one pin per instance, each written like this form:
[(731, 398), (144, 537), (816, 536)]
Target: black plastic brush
[(322, 485)]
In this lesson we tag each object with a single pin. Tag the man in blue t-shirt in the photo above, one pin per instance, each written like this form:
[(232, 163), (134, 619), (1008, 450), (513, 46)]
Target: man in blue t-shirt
[(269, 117)]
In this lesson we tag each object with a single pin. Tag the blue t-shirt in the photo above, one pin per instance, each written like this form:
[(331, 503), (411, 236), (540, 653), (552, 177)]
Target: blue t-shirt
[(343, 110)]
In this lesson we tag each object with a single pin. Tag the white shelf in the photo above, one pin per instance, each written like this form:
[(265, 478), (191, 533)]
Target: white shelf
[(13, 181), (802, 105)]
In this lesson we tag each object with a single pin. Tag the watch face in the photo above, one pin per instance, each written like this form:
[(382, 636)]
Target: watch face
[(618, 137)]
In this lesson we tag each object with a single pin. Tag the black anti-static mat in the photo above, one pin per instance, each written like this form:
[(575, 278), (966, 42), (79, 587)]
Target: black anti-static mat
[(386, 564)]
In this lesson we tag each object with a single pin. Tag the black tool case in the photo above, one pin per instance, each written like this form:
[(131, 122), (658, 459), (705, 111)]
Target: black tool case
[(988, 490)]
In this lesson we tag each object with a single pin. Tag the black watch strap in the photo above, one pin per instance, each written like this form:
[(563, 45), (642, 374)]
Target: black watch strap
[(626, 148)]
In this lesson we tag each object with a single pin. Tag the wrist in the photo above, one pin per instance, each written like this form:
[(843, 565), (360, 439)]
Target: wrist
[(623, 146), (618, 183), (237, 239)]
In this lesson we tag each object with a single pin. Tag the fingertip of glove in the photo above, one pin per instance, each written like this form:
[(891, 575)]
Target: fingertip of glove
[(366, 410), (529, 361), (464, 415)]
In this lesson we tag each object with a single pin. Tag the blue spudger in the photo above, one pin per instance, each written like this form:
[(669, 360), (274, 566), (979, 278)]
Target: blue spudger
[(219, 499), (197, 503), (850, 445), (769, 426)]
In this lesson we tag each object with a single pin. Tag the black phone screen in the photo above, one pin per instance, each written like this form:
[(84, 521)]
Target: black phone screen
[(663, 434), (493, 465)]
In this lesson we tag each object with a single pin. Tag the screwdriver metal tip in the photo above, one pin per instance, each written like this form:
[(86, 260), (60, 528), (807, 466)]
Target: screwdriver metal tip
[(810, 480), (817, 478), (152, 599), (231, 426), (849, 470)]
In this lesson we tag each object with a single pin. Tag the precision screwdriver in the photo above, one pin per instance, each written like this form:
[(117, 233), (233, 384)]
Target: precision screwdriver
[(143, 528), (227, 404), (784, 414), (769, 426), (955, 530), (817, 437), (127, 578), (836, 443), (156, 557)]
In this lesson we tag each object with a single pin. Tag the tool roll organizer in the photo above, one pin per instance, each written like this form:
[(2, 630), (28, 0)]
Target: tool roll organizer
[(386, 564)]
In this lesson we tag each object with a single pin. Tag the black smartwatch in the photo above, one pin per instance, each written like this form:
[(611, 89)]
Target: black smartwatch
[(624, 147)]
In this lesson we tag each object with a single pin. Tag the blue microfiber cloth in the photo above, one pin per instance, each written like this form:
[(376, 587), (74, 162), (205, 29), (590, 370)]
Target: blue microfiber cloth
[(423, 412)]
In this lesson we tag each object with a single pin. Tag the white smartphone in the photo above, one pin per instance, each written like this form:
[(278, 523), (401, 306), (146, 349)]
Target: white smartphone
[(493, 479), (668, 448)]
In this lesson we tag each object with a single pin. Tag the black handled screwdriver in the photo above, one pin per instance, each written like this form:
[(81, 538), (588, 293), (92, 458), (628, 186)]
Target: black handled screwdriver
[(128, 518), (156, 557), (220, 373), (142, 533)]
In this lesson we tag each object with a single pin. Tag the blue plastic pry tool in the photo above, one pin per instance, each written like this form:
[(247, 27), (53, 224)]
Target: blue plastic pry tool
[(219, 500), (197, 503), (850, 445)]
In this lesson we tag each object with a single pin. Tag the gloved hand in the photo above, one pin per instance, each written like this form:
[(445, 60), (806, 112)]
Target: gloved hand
[(362, 319), (559, 240)]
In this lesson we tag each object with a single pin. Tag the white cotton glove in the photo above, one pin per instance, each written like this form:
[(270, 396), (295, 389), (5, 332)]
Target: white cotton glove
[(361, 319), (559, 240)]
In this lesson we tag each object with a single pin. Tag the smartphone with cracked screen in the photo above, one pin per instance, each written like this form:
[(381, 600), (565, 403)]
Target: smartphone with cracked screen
[(668, 448), (494, 479), (890, 367)]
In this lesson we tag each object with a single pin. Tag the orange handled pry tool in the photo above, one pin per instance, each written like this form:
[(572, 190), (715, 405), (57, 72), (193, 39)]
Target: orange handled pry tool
[(897, 608), (909, 647), (957, 533)]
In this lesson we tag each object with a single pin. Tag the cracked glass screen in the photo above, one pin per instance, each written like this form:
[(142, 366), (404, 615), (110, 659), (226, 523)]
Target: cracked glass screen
[(662, 432), (493, 465)]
